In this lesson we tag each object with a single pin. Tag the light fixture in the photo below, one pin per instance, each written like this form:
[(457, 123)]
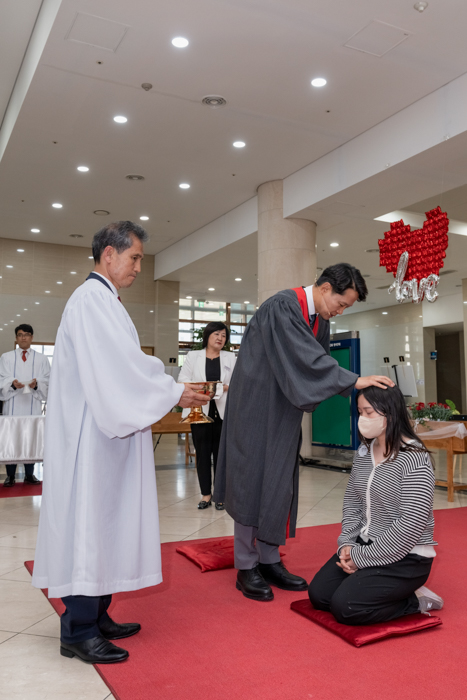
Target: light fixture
[(59, 282), (57, 205), (180, 42), (82, 169), (246, 302), (333, 322), (238, 279), (151, 311), (134, 177), (144, 218), (211, 289), (18, 315), (214, 101), (101, 212), (239, 144), (184, 186), (319, 82), (385, 313), (37, 302), (76, 235), (72, 273), (91, 257), (20, 250), (420, 6), (10, 267), (120, 119), (35, 230), (334, 245), (47, 291), (24, 309), (189, 297)]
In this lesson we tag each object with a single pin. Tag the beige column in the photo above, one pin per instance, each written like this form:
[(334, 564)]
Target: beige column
[(286, 247), (166, 321), (286, 259)]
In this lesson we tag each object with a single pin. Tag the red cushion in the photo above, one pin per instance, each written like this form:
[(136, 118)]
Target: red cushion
[(210, 555), (365, 634)]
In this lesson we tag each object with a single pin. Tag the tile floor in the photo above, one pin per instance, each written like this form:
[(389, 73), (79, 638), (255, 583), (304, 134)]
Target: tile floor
[(30, 666)]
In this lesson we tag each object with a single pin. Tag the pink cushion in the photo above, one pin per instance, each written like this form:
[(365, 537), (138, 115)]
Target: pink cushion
[(210, 555), (365, 634)]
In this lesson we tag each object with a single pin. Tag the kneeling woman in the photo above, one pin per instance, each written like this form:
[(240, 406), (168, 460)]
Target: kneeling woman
[(386, 547)]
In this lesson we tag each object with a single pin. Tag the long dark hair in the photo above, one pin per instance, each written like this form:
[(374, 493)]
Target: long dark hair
[(212, 328), (390, 404)]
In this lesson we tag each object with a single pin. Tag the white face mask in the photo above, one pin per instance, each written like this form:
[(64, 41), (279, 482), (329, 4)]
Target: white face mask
[(371, 427)]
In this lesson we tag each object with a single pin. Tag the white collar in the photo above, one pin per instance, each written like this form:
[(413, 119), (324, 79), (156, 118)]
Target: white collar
[(112, 287), (310, 301), (28, 351)]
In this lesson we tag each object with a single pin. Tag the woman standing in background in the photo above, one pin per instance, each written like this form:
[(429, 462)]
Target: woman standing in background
[(211, 364)]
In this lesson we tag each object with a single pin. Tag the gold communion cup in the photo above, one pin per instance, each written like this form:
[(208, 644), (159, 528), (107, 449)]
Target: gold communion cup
[(196, 414)]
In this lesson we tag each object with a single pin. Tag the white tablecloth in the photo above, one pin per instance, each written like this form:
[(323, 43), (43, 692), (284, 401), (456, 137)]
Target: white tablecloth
[(441, 429), (21, 439)]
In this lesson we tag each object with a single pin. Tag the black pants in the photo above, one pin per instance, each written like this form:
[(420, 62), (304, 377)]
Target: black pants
[(206, 438), (11, 469), (82, 616), (375, 594)]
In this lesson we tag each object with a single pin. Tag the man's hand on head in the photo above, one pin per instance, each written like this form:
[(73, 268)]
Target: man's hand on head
[(374, 380)]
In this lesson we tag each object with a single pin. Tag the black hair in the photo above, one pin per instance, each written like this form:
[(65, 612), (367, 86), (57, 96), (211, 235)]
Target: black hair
[(25, 327), (390, 403), (212, 328), (119, 235), (344, 276)]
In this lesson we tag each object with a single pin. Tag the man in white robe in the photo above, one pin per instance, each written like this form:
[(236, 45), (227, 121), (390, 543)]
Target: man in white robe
[(99, 529), (24, 382)]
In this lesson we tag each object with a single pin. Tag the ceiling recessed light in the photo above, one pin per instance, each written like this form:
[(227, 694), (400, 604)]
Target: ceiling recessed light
[(90, 257), (37, 302), (134, 177), (319, 82), (189, 297), (184, 186), (47, 291), (144, 218), (385, 313), (57, 205), (151, 311), (214, 101), (82, 169), (211, 289), (180, 42), (20, 250), (18, 315), (35, 230), (24, 309), (334, 245), (238, 279), (72, 273), (420, 6), (10, 267), (59, 282), (239, 144), (333, 322), (246, 302), (120, 119), (101, 212)]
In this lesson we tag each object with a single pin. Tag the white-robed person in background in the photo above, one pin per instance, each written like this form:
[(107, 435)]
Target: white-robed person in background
[(211, 364), (99, 529), (24, 382)]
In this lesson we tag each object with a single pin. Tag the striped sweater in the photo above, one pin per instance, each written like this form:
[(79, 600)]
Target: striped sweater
[(391, 504)]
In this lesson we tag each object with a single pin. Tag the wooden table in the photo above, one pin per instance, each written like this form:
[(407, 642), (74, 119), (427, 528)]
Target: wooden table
[(453, 446), (169, 425)]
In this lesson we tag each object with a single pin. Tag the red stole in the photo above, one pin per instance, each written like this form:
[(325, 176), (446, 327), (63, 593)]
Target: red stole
[(301, 294)]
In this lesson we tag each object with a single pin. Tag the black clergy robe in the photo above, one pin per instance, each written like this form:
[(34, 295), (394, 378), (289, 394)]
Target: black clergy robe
[(282, 370)]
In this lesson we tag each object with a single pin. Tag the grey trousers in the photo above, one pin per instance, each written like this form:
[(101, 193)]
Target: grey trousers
[(249, 551)]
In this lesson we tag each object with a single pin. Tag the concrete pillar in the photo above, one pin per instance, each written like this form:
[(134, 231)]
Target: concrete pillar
[(166, 322), (286, 247), (286, 259), (429, 369)]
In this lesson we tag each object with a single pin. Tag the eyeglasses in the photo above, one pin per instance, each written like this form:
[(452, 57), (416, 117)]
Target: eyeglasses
[(24, 335)]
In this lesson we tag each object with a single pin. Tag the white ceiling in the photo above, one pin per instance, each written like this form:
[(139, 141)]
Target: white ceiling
[(260, 55)]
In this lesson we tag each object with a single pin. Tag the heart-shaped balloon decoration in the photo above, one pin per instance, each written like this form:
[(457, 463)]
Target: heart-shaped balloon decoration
[(426, 246)]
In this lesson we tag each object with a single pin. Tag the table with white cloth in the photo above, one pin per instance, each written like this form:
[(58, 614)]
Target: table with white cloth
[(450, 436), (21, 439)]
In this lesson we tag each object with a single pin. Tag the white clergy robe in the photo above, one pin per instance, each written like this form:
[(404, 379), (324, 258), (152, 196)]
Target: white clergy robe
[(99, 525), (12, 366)]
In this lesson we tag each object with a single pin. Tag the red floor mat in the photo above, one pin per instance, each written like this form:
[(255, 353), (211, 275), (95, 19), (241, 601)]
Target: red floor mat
[(19, 490), (202, 640)]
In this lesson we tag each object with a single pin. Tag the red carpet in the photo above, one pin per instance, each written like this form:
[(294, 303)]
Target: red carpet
[(202, 640), (20, 489)]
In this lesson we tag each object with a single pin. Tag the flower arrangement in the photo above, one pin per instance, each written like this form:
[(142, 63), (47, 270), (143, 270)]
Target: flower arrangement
[(432, 411)]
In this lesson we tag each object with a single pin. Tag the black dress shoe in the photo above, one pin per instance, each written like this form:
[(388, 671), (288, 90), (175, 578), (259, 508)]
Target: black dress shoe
[(94, 651), (9, 481), (252, 585), (220, 506), (32, 480), (112, 630), (277, 575), (204, 504)]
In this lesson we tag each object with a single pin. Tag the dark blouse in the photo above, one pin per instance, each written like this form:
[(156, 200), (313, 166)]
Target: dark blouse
[(213, 374)]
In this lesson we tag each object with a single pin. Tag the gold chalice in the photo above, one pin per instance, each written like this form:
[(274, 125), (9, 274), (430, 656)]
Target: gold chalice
[(196, 414)]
